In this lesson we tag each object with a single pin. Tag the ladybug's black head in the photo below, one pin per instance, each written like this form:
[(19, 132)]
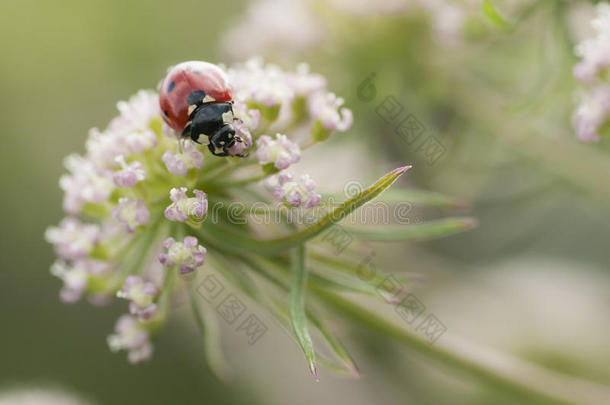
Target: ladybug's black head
[(214, 121)]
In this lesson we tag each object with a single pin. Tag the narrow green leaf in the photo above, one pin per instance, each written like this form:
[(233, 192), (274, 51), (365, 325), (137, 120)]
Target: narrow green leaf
[(426, 230), (363, 271), (342, 211), (422, 198), (232, 273), (281, 313), (211, 338), (519, 386), (298, 319), (494, 16), (416, 197), (339, 282), (232, 240), (348, 366), (336, 275), (344, 365)]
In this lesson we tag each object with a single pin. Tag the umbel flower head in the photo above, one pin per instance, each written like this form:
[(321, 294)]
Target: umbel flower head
[(141, 295), (146, 208), (591, 119), (595, 52), (140, 183)]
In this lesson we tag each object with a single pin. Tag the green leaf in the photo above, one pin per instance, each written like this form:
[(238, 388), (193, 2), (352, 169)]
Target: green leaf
[(422, 198), (139, 253), (231, 272), (298, 319), (231, 240), (494, 16), (341, 211), (281, 312), (348, 366), (556, 389), (339, 282), (211, 338), (416, 197), (426, 230), (361, 271)]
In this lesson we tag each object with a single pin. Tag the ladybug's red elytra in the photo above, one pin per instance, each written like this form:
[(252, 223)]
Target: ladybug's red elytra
[(196, 99)]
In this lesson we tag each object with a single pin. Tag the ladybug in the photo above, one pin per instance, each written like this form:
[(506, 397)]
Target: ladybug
[(197, 100)]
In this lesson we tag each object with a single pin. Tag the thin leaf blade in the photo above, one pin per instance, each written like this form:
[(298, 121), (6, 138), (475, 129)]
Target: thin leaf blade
[(494, 16), (298, 317), (416, 232), (417, 197), (338, 213), (211, 338), (348, 366), (231, 240)]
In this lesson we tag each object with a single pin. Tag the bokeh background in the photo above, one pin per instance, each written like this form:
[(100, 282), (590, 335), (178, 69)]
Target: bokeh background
[(532, 280)]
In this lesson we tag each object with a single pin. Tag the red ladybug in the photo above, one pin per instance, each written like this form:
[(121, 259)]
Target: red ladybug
[(196, 99)]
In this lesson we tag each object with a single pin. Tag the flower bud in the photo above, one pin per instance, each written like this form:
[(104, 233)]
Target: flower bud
[(187, 157), (188, 255), (131, 336), (130, 174), (131, 213), (294, 193), (183, 208), (73, 239), (326, 109), (279, 152), (141, 294)]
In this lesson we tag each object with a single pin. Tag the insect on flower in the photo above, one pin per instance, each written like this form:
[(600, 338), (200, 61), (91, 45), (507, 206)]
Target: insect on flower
[(197, 99), (136, 201)]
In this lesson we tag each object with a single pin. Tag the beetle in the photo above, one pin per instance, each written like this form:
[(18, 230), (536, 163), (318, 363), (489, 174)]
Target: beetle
[(196, 99)]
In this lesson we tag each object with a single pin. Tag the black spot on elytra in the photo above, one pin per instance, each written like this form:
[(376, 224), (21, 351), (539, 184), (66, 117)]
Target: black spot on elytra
[(166, 113), (195, 97), (171, 86)]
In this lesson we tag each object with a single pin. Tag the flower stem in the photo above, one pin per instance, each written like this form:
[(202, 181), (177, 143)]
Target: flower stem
[(505, 381), (246, 181)]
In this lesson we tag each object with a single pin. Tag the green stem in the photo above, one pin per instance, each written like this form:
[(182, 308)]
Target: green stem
[(509, 383), (210, 336), (142, 249), (215, 170), (155, 324), (245, 181)]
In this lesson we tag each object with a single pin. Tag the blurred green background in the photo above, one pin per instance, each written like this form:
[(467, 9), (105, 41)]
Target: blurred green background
[(64, 65), (532, 279)]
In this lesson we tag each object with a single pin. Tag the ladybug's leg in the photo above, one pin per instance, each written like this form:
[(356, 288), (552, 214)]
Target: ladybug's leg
[(189, 133), (242, 155)]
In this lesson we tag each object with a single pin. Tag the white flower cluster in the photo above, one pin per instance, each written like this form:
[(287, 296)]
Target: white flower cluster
[(290, 98), (294, 192), (592, 117), (278, 24), (293, 27), (137, 184)]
